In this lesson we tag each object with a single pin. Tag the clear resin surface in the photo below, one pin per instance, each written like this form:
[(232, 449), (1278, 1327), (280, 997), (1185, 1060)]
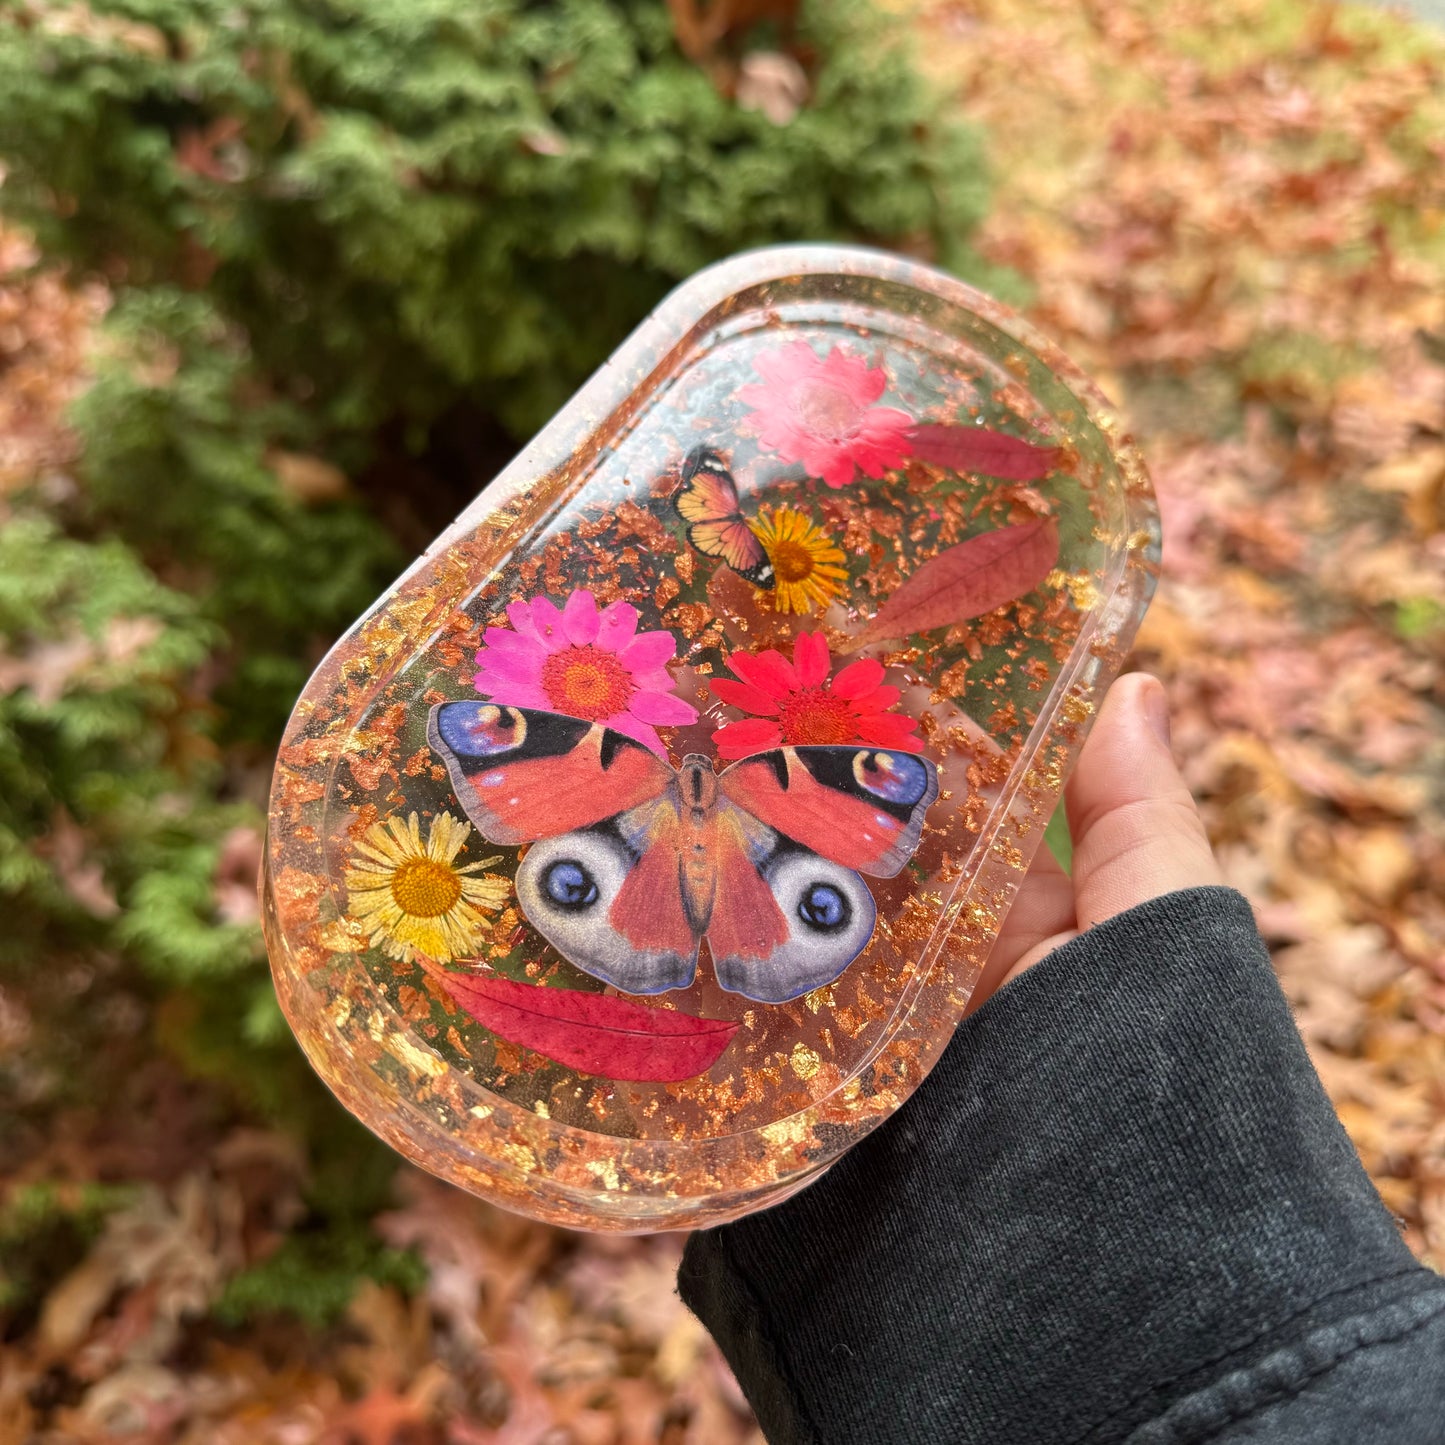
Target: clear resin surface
[(638, 851)]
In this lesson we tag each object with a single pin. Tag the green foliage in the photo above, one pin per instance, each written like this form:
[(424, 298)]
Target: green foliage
[(44, 1231), (1419, 617), (96, 652), (1059, 840), (369, 239), (313, 1277), (315, 1272), (406, 201)]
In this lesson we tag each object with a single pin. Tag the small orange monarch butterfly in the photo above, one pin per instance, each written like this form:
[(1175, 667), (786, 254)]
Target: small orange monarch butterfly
[(708, 502)]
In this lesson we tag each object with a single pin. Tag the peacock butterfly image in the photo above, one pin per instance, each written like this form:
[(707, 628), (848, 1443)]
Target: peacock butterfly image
[(633, 863)]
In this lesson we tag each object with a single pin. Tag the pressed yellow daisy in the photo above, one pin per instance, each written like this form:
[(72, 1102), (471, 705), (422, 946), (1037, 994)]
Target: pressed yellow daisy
[(805, 561), (412, 898)]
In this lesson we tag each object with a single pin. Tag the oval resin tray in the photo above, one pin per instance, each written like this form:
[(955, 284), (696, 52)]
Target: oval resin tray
[(638, 851)]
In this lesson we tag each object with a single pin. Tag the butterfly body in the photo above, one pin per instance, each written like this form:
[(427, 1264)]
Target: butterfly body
[(708, 502), (633, 864)]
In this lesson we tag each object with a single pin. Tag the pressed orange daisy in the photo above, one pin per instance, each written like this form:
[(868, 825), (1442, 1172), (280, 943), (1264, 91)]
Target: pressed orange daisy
[(807, 568), (411, 897)]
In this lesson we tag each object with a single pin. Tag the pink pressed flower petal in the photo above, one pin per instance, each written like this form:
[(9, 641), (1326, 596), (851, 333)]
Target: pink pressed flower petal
[(879, 700), (882, 444), (519, 614), (664, 708), (791, 363), (768, 670), (744, 695), (754, 394), (851, 374), (653, 679), (886, 425), (515, 694), (752, 735), (889, 730), (867, 462), (632, 727), (579, 618), (514, 644), (839, 471), (504, 667), (810, 658), (647, 650), (547, 621), (780, 432), (858, 678), (616, 626)]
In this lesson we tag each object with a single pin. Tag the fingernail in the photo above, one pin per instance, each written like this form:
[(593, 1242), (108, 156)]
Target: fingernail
[(1156, 710)]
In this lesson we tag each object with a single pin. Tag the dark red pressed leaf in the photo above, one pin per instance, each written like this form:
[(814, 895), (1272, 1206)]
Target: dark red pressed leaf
[(976, 449), (591, 1032), (968, 580)]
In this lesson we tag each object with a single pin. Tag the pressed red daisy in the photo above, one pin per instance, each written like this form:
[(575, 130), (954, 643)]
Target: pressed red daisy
[(796, 702)]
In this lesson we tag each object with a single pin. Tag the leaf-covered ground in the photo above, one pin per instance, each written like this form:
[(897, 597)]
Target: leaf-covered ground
[(1232, 212)]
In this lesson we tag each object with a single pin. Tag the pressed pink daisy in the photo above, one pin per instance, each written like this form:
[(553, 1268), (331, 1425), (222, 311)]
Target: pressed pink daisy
[(795, 702), (584, 663), (820, 412)]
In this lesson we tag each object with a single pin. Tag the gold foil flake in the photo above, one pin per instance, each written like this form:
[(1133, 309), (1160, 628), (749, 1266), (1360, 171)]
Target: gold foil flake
[(819, 998), (786, 1132), (804, 1061), (692, 617), (418, 1060), (1076, 709), (343, 935), (519, 1156)]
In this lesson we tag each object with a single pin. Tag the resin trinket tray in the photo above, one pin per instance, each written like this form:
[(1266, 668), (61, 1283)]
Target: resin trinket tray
[(636, 854)]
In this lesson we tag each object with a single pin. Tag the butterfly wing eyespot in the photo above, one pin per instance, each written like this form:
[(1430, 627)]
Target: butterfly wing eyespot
[(824, 907), (898, 778), (862, 808), (827, 916), (568, 885), (521, 773), (481, 730), (569, 889)]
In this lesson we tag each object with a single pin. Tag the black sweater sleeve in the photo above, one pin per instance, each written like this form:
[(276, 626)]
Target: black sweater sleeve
[(1121, 1208)]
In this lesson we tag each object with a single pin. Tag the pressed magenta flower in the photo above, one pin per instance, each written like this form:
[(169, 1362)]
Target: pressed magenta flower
[(585, 663), (820, 411), (796, 702)]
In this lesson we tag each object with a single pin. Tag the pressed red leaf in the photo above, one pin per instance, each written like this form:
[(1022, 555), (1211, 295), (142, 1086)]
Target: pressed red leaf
[(968, 580), (591, 1032), (976, 449)]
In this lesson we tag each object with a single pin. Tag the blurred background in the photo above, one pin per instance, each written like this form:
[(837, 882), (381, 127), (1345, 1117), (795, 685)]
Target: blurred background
[(284, 282)]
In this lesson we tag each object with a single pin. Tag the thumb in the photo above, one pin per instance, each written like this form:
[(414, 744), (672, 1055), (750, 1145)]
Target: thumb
[(1137, 834)]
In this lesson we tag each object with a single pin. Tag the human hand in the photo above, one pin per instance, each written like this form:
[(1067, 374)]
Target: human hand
[(1137, 835)]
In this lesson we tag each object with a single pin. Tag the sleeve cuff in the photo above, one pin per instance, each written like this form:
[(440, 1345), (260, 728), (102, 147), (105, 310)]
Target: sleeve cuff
[(1122, 1177)]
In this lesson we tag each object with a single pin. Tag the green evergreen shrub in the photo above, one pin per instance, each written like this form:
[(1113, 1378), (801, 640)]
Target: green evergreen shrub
[(358, 250)]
